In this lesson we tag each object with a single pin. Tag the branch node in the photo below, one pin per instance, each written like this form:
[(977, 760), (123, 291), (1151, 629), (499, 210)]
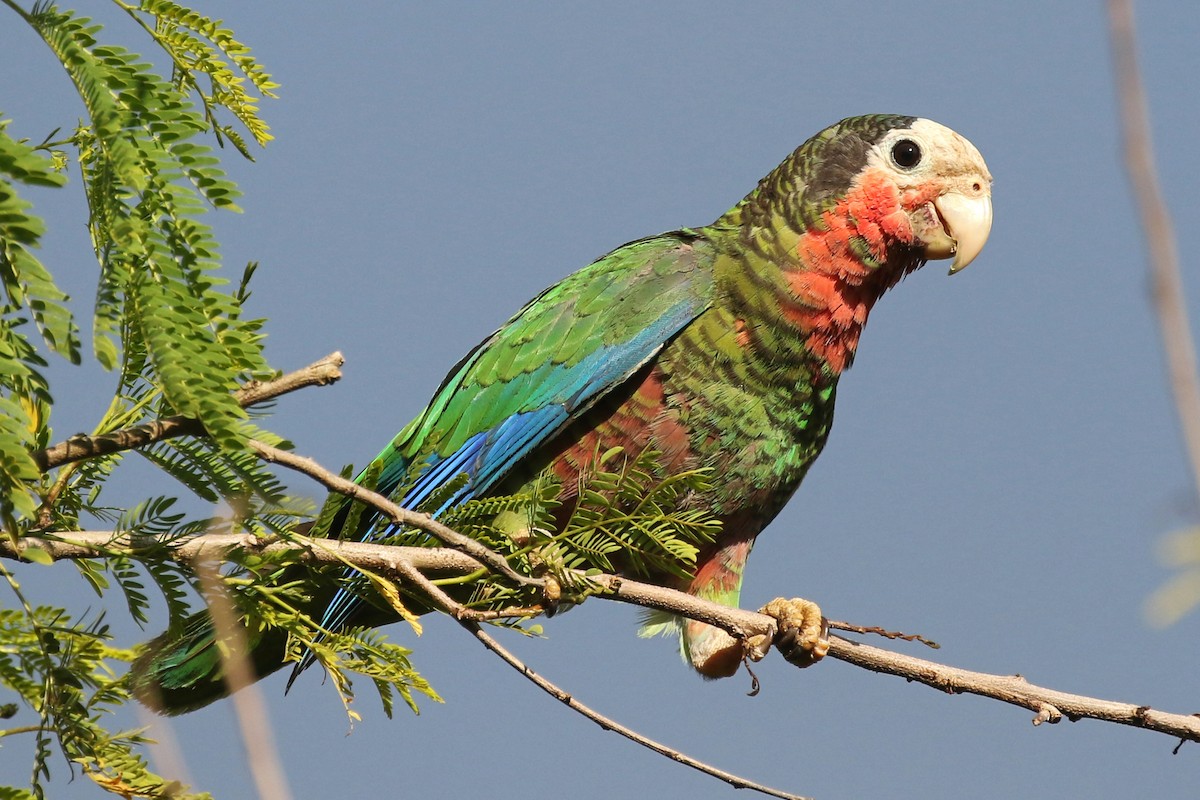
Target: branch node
[(1046, 713), (551, 594), (1183, 740)]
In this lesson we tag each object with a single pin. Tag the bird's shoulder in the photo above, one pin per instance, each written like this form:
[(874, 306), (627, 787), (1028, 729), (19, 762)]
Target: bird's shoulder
[(574, 341)]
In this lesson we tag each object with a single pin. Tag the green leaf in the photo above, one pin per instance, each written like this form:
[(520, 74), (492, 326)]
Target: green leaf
[(26, 281), (37, 555)]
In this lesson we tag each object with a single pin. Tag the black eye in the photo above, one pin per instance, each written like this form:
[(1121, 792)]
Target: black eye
[(906, 153)]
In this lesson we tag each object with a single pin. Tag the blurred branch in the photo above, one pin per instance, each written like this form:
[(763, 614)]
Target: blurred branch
[(1160, 235), (77, 448), (249, 708)]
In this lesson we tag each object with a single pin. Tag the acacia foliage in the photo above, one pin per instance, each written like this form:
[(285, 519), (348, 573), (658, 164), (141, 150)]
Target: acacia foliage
[(141, 144)]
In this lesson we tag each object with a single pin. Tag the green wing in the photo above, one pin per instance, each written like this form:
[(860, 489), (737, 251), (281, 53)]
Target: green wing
[(555, 358)]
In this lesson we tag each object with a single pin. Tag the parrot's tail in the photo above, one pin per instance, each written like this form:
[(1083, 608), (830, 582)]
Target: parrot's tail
[(183, 670)]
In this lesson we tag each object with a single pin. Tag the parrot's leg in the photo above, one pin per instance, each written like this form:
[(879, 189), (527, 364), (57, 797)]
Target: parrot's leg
[(712, 651), (802, 636)]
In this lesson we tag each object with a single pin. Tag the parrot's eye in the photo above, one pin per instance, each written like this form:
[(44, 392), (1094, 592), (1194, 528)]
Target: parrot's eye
[(906, 154)]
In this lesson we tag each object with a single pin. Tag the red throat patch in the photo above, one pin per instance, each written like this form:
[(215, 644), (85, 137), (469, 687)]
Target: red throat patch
[(834, 288)]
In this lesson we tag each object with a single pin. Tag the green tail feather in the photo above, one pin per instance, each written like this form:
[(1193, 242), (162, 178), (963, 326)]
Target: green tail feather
[(182, 670)]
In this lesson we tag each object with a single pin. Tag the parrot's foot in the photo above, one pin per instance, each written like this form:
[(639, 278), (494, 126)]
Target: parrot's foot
[(803, 635)]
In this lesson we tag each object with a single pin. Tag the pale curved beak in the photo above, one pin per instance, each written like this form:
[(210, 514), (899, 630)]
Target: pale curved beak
[(968, 221)]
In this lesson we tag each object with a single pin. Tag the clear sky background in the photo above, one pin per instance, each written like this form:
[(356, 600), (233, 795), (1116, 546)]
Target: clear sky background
[(1005, 457)]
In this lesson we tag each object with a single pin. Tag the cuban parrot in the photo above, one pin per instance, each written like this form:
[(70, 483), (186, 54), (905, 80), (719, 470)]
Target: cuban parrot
[(716, 347)]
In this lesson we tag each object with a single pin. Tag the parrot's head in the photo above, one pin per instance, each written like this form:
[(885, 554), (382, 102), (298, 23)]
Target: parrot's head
[(856, 208), (886, 185), (945, 189)]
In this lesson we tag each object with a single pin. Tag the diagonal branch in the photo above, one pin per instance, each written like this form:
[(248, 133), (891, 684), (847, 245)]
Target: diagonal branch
[(608, 724), (1049, 705), (77, 448), (400, 516), (463, 616), (319, 373)]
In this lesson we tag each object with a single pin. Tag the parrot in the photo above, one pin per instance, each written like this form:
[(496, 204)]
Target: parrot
[(717, 347)]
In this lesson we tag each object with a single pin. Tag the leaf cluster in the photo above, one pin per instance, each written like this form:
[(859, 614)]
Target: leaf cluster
[(66, 671), (148, 183), (31, 299), (163, 318), (623, 515), (271, 593), (627, 514)]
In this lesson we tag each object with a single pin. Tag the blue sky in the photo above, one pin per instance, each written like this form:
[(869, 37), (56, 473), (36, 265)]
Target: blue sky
[(1005, 456)]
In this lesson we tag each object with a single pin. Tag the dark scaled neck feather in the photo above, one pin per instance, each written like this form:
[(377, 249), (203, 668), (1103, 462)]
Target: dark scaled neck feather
[(831, 240)]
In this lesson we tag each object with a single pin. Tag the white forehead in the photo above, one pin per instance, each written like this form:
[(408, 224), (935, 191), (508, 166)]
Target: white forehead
[(945, 152)]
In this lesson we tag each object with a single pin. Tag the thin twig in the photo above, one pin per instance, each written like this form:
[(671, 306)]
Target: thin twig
[(80, 447), (1047, 704), (608, 724), (465, 618), (839, 625), (319, 373), (23, 729), (1165, 274)]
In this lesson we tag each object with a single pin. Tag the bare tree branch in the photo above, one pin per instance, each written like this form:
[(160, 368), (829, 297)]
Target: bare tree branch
[(319, 373), (77, 448), (1160, 234), (463, 555), (1048, 705), (101, 544)]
